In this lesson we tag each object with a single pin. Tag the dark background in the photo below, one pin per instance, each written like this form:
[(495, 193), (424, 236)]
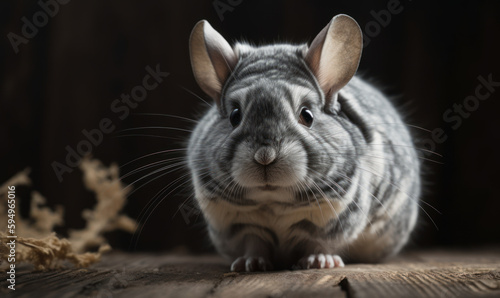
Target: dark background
[(428, 57)]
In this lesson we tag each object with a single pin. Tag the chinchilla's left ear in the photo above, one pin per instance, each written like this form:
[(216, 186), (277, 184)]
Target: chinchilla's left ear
[(334, 54), (212, 59)]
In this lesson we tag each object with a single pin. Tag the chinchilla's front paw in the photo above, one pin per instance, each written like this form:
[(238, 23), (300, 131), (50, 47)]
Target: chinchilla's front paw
[(320, 261), (251, 264)]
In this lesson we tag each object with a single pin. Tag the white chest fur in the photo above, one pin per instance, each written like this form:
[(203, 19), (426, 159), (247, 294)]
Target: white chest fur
[(278, 217)]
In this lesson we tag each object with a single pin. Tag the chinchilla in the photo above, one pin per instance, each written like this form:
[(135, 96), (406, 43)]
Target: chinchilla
[(299, 162)]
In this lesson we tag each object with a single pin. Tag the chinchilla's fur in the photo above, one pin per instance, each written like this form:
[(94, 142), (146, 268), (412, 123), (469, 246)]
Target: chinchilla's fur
[(299, 162)]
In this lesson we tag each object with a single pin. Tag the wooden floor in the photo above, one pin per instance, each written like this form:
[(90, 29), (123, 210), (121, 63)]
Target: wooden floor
[(466, 273)]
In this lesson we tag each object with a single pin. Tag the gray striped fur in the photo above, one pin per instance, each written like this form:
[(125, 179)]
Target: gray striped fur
[(348, 185)]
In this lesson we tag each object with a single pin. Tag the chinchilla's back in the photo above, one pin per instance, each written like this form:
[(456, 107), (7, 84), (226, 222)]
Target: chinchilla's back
[(382, 121), (391, 165)]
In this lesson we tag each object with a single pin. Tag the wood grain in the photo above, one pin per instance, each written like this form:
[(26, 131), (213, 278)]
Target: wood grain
[(438, 273)]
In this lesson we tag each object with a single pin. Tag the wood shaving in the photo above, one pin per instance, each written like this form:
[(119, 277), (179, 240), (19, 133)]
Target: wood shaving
[(38, 245), (50, 252), (111, 198)]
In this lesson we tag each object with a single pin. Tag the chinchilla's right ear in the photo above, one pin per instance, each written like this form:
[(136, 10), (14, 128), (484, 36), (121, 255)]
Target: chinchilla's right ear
[(334, 55), (212, 59)]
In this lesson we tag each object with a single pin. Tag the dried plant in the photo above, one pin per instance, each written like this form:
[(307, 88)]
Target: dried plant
[(38, 245)]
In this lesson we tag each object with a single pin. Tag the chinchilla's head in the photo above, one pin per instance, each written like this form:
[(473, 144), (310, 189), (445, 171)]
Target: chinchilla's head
[(273, 126)]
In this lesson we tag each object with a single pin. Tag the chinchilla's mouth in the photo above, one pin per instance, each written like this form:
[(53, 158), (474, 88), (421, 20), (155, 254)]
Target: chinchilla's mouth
[(268, 187)]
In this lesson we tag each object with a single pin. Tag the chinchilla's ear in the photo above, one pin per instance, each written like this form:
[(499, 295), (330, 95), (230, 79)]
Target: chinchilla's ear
[(212, 59), (334, 54)]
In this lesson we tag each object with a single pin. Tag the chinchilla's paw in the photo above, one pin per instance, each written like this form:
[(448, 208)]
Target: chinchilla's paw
[(320, 261), (251, 264)]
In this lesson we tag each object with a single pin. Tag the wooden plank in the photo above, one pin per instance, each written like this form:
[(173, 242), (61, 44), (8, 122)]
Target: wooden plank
[(428, 274), (438, 282), (281, 284), (421, 274)]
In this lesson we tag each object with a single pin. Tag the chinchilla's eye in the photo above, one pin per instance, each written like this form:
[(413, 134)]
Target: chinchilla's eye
[(235, 117), (306, 117)]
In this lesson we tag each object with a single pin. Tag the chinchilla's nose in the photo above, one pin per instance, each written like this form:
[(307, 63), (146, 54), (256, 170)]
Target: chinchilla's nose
[(265, 155)]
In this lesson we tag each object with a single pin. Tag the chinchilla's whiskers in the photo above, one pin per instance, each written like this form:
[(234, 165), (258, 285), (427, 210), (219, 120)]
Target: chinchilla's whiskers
[(392, 145), (195, 95), (153, 135), (307, 189), (237, 190), (418, 127), (157, 127), (204, 173), (363, 146), (225, 180), (402, 124), (374, 162), (372, 124), (383, 157), (397, 124), (410, 197), (151, 165), (154, 153), (159, 193), (172, 167), (230, 184), (300, 189), (302, 186), (155, 202), (149, 181), (228, 181), (398, 188), (182, 204), (358, 184), (170, 116), (319, 204), (324, 196), (145, 209), (344, 192), (240, 191), (150, 136), (159, 201)]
